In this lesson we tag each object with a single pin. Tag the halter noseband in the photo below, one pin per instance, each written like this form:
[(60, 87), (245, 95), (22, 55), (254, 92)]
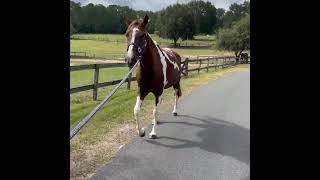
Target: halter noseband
[(140, 49)]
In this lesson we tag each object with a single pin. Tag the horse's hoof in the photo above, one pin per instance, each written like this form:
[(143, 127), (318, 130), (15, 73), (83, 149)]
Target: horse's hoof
[(175, 114), (153, 122), (152, 136), (142, 132)]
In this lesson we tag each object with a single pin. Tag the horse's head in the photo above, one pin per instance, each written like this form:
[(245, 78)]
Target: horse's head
[(136, 40)]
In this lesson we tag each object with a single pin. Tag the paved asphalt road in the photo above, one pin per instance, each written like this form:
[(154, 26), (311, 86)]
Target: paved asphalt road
[(209, 139)]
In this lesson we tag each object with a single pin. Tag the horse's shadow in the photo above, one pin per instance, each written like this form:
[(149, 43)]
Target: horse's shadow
[(216, 136)]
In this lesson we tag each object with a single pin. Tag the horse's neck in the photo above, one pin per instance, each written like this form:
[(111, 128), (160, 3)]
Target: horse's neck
[(148, 60)]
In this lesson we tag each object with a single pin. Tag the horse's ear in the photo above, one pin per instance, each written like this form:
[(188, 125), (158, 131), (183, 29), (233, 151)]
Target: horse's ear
[(145, 20), (126, 20)]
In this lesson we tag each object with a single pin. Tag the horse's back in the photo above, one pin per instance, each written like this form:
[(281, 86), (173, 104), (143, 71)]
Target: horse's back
[(173, 68), (173, 55)]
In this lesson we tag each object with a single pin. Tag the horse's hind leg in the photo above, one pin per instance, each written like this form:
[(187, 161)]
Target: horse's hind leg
[(177, 93)]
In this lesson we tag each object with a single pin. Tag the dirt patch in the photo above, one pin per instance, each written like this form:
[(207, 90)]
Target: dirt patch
[(85, 162)]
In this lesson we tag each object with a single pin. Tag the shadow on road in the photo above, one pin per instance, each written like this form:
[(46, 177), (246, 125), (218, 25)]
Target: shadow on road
[(217, 136)]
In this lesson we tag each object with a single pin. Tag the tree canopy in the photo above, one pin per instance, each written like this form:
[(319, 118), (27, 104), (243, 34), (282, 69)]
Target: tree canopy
[(100, 19), (178, 21), (185, 20), (235, 38), (235, 13)]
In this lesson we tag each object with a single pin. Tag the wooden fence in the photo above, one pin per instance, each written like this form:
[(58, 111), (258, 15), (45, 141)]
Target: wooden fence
[(188, 65), (98, 39), (93, 56), (191, 45), (78, 54)]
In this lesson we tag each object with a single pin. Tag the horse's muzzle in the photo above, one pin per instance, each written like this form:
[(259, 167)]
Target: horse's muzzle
[(131, 61)]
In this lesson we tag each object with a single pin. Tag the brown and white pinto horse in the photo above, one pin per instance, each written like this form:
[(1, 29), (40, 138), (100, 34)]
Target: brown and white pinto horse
[(158, 69)]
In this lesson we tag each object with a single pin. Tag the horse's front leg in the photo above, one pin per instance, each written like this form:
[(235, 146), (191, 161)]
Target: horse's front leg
[(136, 110), (156, 110)]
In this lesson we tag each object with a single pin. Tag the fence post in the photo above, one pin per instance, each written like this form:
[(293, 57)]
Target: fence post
[(96, 81), (223, 62), (186, 66), (129, 80), (215, 66), (199, 66), (208, 65), (227, 62)]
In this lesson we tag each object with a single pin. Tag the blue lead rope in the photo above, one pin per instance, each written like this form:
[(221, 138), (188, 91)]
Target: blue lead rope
[(96, 109)]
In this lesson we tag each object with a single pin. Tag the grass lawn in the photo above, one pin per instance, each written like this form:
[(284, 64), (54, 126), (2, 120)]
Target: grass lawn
[(114, 49)]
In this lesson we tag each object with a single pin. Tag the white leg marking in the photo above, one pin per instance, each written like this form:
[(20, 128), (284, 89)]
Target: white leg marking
[(176, 102), (136, 111), (156, 116)]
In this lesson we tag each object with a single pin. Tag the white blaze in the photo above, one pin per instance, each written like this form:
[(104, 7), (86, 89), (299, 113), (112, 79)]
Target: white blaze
[(130, 49)]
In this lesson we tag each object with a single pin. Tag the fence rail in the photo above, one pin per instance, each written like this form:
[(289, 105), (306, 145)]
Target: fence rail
[(98, 39), (94, 56), (188, 65), (81, 54), (190, 45)]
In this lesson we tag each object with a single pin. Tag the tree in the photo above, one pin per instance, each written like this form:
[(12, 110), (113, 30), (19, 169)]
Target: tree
[(235, 38), (220, 14), (187, 19), (72, 30), (76, 16), (176, 22), (235, 13), (204, 14)]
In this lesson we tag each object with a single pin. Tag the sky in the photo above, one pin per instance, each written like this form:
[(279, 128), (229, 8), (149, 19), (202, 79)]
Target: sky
[(155, 5)]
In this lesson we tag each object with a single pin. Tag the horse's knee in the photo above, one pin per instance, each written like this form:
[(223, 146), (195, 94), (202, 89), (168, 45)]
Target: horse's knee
[(136, 110), (156, 112)]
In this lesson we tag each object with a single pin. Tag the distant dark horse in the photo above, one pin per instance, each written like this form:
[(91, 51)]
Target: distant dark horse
[(158, 69), (244, 57)]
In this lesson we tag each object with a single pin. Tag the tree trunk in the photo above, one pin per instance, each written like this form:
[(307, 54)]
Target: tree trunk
[(175, 42), (237, 58), (240, 54)]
